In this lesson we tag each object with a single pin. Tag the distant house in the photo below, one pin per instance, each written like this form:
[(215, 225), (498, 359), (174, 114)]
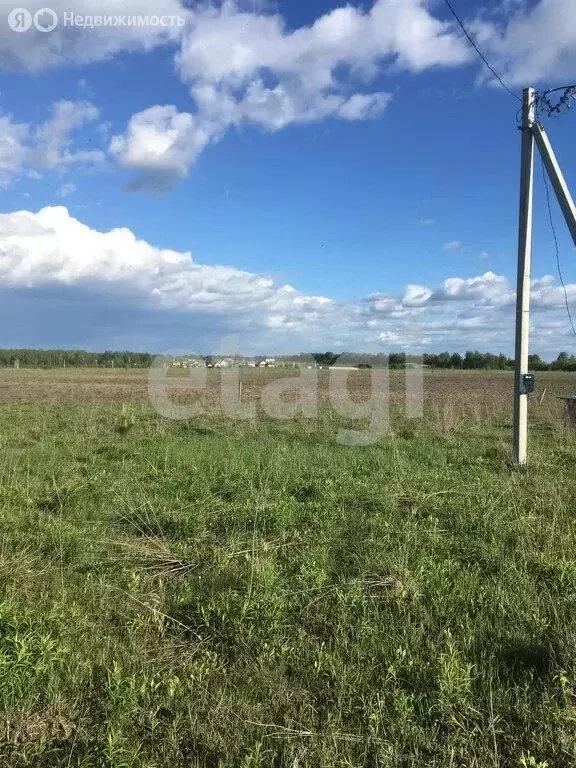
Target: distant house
[(265, 362), (186, 362)]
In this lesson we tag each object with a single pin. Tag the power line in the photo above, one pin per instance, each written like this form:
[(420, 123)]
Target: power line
[(479, 52), (557, 248)]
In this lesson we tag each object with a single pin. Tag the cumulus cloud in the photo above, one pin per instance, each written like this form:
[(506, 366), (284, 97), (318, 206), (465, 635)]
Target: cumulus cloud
[(488, 288), (545, 294), (162, 144), (416, 295), (13, 138), (51, 247), (452, 245), (53, 141), (247, 67), (51, 250), (25, 149), (228, 46), (511, 42)]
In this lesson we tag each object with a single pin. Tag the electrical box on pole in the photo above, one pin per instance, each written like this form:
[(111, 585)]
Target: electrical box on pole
[(526, 384)]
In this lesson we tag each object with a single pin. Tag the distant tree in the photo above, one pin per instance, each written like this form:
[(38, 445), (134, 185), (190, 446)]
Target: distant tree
[(535, 363), (397, 360), (444, 360), (325, 359), (564, 362), (456, 360)]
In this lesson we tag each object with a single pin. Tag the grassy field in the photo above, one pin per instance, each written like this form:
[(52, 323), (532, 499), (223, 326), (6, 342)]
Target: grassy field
[(233, 594)]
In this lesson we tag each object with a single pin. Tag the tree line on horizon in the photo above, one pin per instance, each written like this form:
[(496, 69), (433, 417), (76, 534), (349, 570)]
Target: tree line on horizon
[(471, 360), (73, 358)]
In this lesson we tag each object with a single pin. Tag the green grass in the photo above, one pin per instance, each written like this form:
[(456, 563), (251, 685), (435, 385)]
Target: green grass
[(221, 594)]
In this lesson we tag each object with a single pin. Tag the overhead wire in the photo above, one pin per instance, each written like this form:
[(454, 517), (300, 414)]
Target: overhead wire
[(543, 100), (479, 52), (557, 248)]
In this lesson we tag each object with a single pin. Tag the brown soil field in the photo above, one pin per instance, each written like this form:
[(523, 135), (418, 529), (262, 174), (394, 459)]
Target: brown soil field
[(89, 386)]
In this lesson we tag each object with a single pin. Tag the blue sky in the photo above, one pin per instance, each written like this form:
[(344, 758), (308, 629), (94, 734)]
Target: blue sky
[(303, 175)]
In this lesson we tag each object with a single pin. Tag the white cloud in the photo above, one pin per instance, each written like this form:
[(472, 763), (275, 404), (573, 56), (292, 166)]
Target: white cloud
[(427, 222), (13, 138), (52, 138), (51, 248), (227, 46), (389, 337), (67, 189), (162, 143), (25, 149), (416, 295), (247, 67), (452, 245), (488, 288), (256, 69), (536, 43), (362, 106), (545, 294)]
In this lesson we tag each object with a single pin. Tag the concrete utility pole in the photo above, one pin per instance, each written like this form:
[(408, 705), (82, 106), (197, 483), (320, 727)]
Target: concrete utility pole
[(523, 287), (556, 177), (532, 132)]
